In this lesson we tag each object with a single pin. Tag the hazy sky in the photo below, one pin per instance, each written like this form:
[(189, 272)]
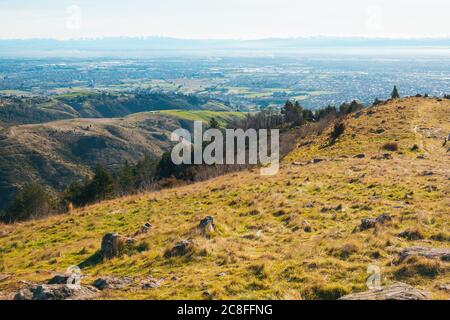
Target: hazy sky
[(236, 19)]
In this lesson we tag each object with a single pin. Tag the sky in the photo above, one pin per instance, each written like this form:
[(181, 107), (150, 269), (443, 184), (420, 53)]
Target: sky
[(223, 19)]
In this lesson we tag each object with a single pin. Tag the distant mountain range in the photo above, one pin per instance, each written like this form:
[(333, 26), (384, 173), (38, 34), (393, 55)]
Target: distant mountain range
[(122, 46)]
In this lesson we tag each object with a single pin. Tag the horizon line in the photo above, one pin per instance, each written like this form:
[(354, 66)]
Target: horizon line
[(333, 37)]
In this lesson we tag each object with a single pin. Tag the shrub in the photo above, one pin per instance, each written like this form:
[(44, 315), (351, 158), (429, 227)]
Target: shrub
[(414, 148), (441, 236), (390, 146), (338, 130)]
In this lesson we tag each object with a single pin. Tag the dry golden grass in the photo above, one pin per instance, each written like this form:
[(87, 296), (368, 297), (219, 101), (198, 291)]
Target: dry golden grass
[(290, 236)]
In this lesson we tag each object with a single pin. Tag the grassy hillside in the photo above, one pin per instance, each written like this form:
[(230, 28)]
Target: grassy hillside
[(60, 152), (289, 236)]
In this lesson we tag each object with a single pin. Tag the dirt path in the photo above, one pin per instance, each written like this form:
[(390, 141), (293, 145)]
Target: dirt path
[(431, 126)]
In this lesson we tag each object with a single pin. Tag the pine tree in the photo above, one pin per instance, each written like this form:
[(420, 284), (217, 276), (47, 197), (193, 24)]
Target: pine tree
[(395, 94), (102, 185)]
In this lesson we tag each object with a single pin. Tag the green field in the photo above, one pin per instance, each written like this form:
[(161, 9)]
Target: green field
[(221, 117)]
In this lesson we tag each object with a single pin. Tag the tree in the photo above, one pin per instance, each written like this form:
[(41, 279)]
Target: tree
[(329, 111), (214, 124), (293, 113), (308, 115), (145, 172), (102, 185), (126, 179), (395, 94), (377, 102), (354, 106), (31, 201)]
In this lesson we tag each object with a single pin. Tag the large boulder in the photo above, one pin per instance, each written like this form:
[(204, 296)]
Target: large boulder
[(56, 292), (396, 291), (113, 245), (442, 254), (207, 226)]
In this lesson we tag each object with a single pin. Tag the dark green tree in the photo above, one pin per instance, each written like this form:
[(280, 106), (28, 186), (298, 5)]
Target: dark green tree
[(32, 201), (395, 94), (102, 185), (126, 179), (293, 113)]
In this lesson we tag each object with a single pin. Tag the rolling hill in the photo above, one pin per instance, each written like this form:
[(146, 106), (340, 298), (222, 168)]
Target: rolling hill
[(309, 232), (58, 153)]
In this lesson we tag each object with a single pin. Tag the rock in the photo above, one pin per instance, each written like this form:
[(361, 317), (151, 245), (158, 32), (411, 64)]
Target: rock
[(384, 218), (207, 225), (396, 291), (111, 283), (385, 156), (411, 235), (59, 279), (151, 283), (113, 245), (317, 160), (359, 156), (427, 173), (368, 223), (442, 254), (180, 249), (144, 229), (56, 292)]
